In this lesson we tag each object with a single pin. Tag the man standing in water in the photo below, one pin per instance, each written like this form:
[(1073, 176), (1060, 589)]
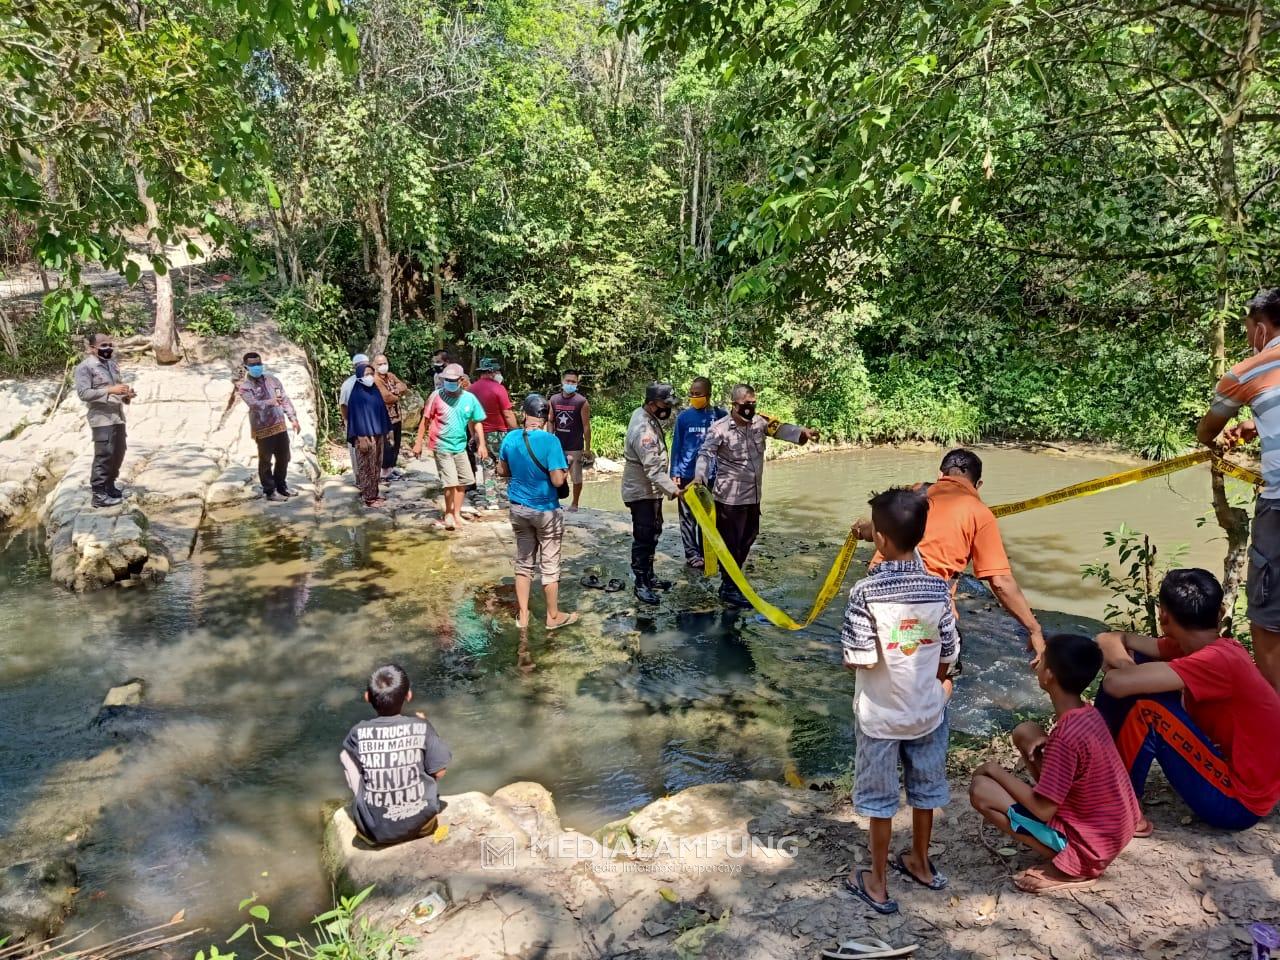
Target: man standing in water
[(733, 453), (571, 423), (645, 481), (691, 430), (961, 529), (98, 385), (1255, 383)]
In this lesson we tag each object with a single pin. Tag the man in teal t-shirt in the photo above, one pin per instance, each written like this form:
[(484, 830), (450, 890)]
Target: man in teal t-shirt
[(450, 414)]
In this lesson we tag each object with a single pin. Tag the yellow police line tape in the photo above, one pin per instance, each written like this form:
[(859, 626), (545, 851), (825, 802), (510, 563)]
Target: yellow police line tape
[(716, 553)]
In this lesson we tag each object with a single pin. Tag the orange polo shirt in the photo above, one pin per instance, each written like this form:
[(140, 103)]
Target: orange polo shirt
[(961, 528)]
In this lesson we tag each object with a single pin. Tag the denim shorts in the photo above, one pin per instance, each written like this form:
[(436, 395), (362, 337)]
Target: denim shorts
[(876, 791)]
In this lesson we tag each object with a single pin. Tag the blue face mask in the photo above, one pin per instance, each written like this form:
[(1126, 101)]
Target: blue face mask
[(452, 386), (255, 370), (569, 387)]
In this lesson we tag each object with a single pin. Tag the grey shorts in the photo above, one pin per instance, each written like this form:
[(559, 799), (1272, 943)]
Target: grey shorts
[(574, 458), (1263, 585), (538, 535), (924, 767), (454, 469)]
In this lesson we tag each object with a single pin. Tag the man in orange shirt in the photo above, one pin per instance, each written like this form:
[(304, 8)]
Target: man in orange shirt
[(962, 529)]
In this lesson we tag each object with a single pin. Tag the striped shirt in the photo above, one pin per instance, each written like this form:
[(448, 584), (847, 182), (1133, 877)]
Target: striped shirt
[(1097, 811), (1256, 383), (900, 627)]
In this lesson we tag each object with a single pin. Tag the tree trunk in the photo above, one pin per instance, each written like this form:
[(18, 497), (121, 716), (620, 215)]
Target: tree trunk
[(1233, 520), (385, 268), (437, 298), (164, 339)]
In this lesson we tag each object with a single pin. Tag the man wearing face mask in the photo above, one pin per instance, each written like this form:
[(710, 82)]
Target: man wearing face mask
[(733, 453), (1255, 383), (499, 417), (691, 430), (439, 360), (453, 414), (571, 423), (646, 479), (271, 414), (98, 385)]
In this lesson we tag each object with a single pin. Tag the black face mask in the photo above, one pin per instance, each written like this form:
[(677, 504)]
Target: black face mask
[(437, 367), (747, 411), (662, 413), (104, 353)]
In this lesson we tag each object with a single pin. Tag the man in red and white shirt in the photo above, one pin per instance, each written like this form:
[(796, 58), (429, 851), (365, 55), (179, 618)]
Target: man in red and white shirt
[(1255, 383)]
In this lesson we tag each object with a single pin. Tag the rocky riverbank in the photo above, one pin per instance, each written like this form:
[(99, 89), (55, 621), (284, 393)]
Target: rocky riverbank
[(754, 870)]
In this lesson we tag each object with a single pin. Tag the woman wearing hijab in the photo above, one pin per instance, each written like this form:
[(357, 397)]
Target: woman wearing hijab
[(367, 429)]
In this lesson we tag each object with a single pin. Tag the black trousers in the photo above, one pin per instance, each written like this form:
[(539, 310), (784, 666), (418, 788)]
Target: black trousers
[(108, 454), (391, 451), (275, 448), (738, 526), (690, 532), (646, 528)]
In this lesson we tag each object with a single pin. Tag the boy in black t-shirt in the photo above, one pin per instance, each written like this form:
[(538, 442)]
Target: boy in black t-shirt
[(392, 763)]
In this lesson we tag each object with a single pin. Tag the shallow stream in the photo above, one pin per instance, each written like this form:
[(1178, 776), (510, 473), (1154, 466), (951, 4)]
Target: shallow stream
[(255, 655)]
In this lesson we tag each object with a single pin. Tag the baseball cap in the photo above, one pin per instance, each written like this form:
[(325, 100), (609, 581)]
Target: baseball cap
[(488, 365), (535, 405), (452, 372), (660, 392)]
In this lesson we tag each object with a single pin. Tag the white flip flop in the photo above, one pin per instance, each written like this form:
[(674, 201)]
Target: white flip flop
[(869, 949)]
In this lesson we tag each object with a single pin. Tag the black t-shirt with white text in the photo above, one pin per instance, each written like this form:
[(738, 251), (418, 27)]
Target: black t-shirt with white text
[(396, 757)]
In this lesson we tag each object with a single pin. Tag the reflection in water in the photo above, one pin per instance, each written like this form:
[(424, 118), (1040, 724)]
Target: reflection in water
[(256, 654)]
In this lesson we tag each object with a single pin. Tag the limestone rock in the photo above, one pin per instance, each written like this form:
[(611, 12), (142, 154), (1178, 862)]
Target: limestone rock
[(35, 896), (127, 694), (605, 465)]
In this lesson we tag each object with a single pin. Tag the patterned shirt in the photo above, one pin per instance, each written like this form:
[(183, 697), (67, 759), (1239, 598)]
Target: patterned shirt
[(899, 625), (1256, 383), (449, 417), (1097, 811), (266, 417)]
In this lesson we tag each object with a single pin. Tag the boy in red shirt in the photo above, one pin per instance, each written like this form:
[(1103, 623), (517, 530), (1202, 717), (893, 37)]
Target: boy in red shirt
[(1196, 702), (1082, 811)]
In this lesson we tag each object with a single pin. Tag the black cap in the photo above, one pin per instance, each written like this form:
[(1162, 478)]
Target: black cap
[(660, 392), (535, 405)]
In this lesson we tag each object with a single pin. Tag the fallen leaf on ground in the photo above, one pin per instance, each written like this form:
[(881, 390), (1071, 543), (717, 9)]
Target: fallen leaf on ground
[(179, 916), (669, 895)]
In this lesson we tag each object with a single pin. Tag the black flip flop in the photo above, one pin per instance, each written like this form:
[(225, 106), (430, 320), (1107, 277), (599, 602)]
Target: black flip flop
[(939, 881), (591, 582), (614, 585), (859, 890)]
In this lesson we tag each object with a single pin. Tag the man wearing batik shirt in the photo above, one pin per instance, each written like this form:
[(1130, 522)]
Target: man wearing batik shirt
[(271, 414), (733, 453), (1255, 383)]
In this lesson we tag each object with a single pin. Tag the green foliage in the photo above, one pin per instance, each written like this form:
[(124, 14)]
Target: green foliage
[(207, 315), (336, 935), (315, 316), (42, 350), (1135, 586)]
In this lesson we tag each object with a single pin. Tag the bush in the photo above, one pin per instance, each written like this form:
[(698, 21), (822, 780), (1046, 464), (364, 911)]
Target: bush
[(206, 315), (314, 317)]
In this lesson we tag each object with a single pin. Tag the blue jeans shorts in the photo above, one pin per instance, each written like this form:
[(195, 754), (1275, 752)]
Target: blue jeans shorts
[(876, 786)]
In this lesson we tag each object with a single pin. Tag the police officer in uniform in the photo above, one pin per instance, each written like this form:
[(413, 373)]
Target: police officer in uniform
[(646, 479), (98, 384)]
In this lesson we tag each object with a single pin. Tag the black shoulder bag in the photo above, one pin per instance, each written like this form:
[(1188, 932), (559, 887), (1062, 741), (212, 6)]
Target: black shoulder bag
[(562, 491)]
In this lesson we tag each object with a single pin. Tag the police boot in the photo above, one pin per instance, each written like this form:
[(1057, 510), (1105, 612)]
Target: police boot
[(644, 588), (659, 584)]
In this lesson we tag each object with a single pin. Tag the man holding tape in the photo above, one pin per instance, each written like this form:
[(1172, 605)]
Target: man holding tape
[(961, 529), (1255, 383), (733, 453)]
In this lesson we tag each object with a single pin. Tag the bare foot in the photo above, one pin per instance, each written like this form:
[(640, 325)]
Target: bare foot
[(1043, 879), (563, 621)]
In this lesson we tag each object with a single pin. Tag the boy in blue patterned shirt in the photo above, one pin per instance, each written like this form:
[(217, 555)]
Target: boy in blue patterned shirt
[(899, 634)]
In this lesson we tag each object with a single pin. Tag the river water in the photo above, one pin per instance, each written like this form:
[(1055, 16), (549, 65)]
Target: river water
[(255, 655)]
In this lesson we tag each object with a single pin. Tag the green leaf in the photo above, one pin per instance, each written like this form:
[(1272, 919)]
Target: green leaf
[(260, 912)]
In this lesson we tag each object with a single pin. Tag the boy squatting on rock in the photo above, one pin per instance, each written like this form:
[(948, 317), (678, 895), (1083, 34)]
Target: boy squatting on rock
[(899, 634), (1082, 811), (392, 764)]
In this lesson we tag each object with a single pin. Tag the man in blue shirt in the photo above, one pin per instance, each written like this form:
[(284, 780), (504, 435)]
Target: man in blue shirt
[(691, 427)]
